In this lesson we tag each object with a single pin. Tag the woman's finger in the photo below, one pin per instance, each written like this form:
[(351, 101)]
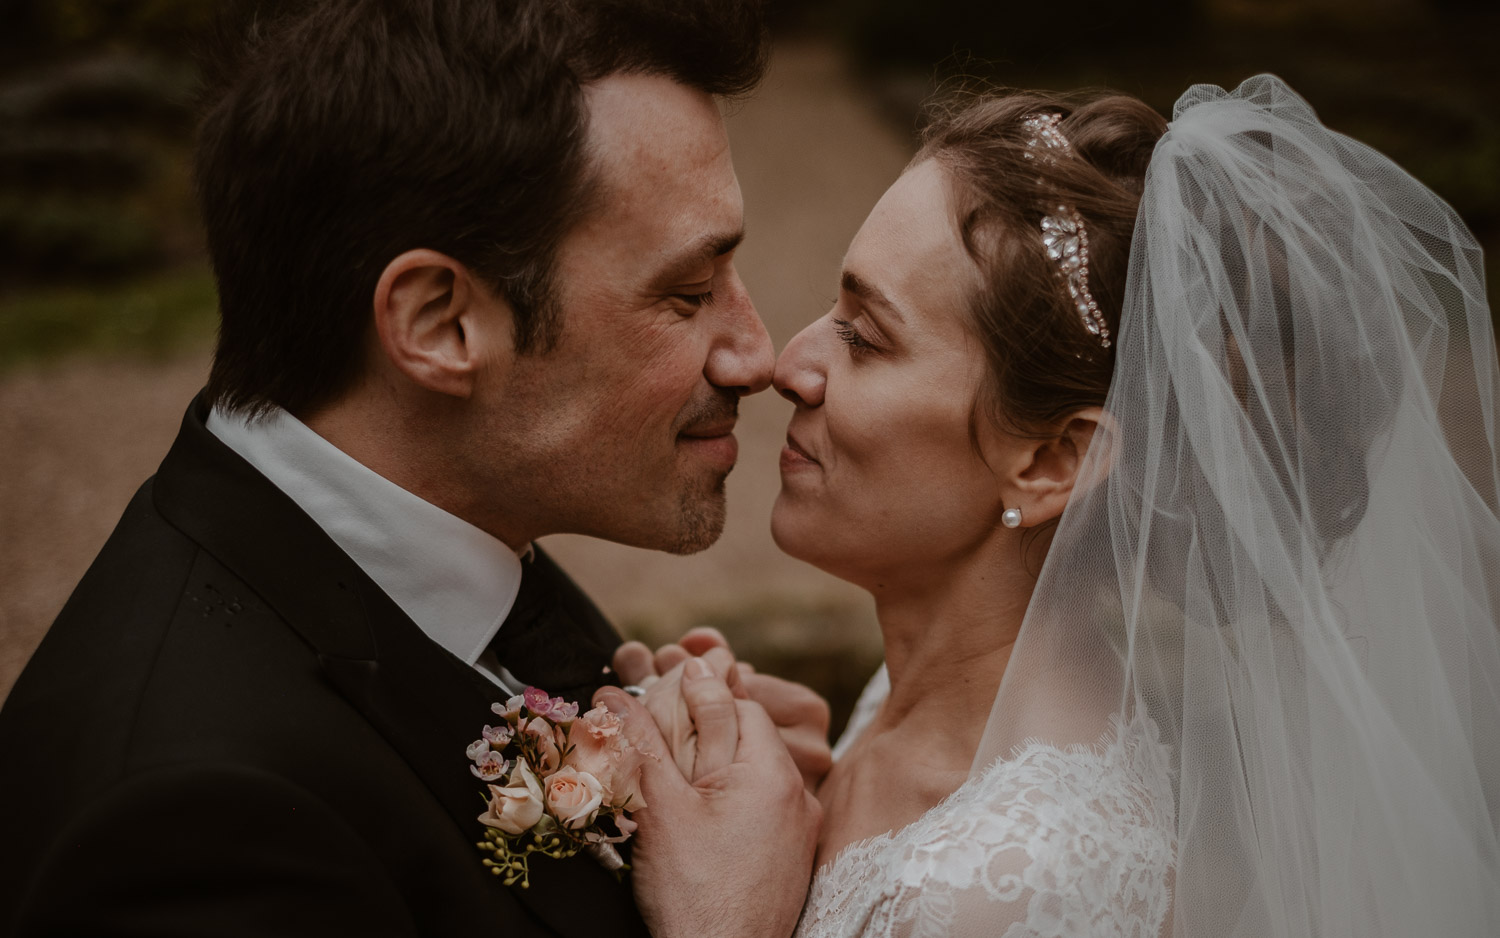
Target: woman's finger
[(700, 639), (711, 705), (723, 664), (669, 657), (663, 700)]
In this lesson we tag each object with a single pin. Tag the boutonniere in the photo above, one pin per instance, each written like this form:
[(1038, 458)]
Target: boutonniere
[(559, 783)]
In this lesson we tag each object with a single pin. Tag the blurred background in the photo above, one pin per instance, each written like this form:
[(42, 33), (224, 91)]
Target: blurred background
[(107, 305)]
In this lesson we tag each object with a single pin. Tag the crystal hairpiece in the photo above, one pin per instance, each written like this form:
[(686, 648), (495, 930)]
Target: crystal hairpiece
[(1064, 236)]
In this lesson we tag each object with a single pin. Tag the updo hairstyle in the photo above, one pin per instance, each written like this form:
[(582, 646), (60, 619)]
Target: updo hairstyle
[(1042, 363)]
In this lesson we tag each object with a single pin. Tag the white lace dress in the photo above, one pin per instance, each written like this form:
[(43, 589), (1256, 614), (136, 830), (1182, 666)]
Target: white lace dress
[(1050, 842)]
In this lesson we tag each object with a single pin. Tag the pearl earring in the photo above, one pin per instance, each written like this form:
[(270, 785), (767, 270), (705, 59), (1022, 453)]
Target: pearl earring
[(1011, 518)]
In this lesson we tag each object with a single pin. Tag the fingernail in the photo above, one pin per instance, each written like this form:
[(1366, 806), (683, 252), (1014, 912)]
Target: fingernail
[(610, 699), (697, 668)]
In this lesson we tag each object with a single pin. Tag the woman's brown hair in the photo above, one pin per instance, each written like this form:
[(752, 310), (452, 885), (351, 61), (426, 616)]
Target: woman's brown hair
[(1043, 363)]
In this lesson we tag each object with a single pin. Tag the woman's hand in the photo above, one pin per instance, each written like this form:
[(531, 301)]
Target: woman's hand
[(664, 701), (799, 714)]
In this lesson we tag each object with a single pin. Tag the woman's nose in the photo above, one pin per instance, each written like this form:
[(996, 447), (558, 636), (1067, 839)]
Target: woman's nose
[(800, 376)]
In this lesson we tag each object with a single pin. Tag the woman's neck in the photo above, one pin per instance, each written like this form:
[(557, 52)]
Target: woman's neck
[(948, 638), (949, 627)]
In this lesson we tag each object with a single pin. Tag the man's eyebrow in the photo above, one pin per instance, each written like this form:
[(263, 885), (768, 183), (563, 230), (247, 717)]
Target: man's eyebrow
[(870, 295), (705, 249)]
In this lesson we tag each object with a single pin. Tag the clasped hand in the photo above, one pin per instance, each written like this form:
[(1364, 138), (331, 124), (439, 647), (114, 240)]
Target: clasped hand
[(727, 837)]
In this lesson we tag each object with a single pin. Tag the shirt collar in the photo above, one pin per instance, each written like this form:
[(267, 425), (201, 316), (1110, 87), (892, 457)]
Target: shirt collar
[(455, 581)]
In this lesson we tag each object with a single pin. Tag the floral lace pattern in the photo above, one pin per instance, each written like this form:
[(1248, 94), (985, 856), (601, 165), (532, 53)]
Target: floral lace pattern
[(1048, 843)]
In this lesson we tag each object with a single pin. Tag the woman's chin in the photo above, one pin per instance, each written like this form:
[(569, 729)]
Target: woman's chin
[(795, 529), (815, 537)]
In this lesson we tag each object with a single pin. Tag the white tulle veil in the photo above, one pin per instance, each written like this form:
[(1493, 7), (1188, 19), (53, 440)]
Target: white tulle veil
[(1285, 559)]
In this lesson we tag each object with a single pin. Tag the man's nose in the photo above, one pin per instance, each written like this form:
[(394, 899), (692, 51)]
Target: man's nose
[(799, 376), (744, 360)]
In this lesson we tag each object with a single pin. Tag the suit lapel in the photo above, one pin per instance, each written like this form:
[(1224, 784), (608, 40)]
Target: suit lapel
[(406, 685), (429, 708), (425, 702)]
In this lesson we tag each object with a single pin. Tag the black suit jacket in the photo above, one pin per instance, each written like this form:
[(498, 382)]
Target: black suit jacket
[(231, 730)]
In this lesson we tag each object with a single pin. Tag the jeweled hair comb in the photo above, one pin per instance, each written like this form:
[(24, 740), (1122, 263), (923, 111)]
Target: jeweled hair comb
[(1064, 235)]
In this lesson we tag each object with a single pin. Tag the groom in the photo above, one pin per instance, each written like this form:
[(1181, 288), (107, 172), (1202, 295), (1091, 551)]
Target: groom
[(475, 264)]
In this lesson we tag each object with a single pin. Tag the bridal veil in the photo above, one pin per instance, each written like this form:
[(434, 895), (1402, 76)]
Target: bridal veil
[(1282, 569)]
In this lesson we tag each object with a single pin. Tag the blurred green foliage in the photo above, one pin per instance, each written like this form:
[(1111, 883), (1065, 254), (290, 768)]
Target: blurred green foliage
[(156, 314), (41, 30), (58, 233), (99, 241)]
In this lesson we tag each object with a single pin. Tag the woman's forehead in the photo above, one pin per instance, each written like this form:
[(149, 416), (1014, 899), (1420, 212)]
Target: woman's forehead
[(909, 250)]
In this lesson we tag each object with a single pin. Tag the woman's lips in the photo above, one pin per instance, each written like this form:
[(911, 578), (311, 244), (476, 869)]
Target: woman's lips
[(794, 457)]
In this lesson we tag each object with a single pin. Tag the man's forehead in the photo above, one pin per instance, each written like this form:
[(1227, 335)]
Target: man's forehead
[(650, 125), (666, 186)]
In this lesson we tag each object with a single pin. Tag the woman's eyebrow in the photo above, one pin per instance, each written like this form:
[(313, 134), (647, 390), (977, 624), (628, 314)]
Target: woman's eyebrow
[(870, 295)]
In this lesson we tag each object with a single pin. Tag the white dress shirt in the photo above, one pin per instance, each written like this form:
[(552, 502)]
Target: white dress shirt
[(456, 582)]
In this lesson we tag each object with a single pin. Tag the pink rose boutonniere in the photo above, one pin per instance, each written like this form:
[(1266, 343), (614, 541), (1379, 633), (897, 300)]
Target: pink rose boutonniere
[(559, 783)]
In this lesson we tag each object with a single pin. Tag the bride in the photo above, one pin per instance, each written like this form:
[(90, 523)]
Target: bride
[(1168, 453)]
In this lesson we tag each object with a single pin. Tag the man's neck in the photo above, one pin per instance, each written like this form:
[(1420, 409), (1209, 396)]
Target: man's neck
[(416, 451)]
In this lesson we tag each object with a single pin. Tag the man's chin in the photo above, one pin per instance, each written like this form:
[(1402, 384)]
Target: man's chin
[(700, 522), (691, 521)]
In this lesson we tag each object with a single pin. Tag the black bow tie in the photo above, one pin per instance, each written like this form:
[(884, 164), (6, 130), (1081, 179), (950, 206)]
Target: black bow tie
[(555, 638)]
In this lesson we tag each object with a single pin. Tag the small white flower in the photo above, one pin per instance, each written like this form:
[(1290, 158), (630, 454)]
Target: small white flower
[(489, 766), (497, 736)]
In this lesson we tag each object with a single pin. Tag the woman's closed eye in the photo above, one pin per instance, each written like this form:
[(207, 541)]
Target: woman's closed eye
[(850, 335)]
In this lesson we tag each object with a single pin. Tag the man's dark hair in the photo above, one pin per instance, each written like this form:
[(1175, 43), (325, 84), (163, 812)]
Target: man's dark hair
[(338, 134)]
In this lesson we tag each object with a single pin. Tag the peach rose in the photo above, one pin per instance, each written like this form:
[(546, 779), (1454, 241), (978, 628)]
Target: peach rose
[(516, 807), (549, 757), (600, 724), (574, 797), (601, 750)]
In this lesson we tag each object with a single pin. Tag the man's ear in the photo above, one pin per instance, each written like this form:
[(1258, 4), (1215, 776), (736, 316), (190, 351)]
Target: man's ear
[(437, 324), (1046, 472)]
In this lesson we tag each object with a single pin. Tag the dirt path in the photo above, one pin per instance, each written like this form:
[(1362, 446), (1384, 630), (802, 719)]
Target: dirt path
[(77, 438)]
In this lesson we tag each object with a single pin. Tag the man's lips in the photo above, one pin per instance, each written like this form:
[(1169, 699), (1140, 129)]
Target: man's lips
[(709, 431), (714, 442)]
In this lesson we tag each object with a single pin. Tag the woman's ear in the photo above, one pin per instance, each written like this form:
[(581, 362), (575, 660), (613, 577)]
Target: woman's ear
[(1046, 472), (437, 325), (1097, 447)]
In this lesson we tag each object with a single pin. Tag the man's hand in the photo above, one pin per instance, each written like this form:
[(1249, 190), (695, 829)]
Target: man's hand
[(730, 855), (798, 712)]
